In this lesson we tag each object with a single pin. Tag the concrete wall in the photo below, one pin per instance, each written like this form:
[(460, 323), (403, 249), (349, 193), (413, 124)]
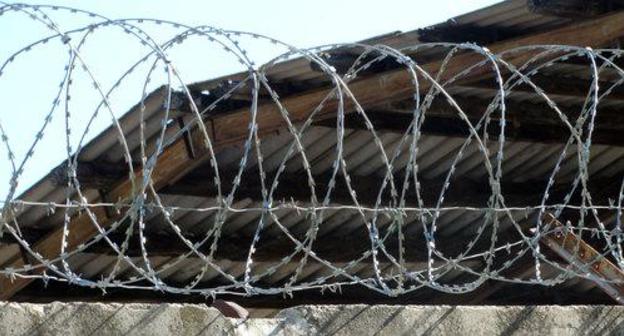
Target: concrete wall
[(167, 319)]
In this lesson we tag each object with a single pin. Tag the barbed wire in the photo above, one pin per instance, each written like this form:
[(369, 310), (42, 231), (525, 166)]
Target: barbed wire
[(398, 213)]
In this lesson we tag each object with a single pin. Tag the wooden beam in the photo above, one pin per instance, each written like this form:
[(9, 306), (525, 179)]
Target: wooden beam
[(533, 121), (231, 128), (570, 8), (460, 33), (520, 126), (236, 249), (91, 175), (555, 86), (397, 84), (82, 228)]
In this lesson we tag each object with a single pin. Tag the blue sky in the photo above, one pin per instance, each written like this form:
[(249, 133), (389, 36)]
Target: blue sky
[(28, 86)]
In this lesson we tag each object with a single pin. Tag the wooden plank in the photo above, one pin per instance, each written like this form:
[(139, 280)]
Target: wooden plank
[(569, 8), (397, 84), (342, 248), (520, 126), (556, 87), (233, 127), (82, 227)]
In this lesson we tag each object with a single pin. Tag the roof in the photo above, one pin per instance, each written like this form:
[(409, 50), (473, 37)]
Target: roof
[(533, 147)]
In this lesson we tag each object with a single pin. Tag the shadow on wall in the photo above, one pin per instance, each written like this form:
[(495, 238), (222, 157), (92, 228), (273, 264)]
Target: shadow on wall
[(186, 319)]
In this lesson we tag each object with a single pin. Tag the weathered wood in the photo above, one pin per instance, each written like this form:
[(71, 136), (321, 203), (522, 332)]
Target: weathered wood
[(553, 86), (333, 248), (397, 85), (82, 227), (233, 127), (538, 125), (459, 33), (571, 8), (91, 175)]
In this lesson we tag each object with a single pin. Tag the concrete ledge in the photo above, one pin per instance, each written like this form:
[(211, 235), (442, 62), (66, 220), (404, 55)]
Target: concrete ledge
[(188, 319)]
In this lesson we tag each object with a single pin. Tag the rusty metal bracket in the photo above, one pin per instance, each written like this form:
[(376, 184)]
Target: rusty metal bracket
[(585, 258)]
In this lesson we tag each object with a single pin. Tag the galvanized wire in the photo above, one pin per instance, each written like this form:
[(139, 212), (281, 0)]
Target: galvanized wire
[(389, 218)]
